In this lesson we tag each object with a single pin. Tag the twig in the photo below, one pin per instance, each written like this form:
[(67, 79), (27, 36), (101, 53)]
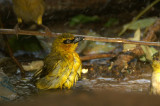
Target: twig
[(151, 33), (11, 55), (91, 38), (120, 40), (95, 56)]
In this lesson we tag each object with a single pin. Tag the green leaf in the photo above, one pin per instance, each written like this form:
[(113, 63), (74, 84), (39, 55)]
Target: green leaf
[(143, 58), (149, 52), (143, 23), (137, 35)]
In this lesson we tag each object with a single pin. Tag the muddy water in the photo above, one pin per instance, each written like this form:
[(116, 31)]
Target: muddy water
[(141, 85), (137, 85)]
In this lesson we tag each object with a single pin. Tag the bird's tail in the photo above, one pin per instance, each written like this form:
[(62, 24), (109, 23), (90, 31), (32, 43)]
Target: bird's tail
[(35, 76)]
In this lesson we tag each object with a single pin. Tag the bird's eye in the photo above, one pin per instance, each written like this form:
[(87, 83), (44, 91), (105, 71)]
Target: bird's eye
[(67, 41)]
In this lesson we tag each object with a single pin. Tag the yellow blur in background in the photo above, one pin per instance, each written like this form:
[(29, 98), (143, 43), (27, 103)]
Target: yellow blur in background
[(155, 80)]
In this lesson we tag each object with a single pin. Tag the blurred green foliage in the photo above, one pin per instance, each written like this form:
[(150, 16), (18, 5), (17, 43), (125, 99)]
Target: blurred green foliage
[(142, 23), (81, 19), (111, 22), (26, 43)]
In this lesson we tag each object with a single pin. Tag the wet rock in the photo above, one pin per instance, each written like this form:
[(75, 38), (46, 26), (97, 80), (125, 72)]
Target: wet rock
[(7, 91), (9, 67), (34, 65), (90, 47)]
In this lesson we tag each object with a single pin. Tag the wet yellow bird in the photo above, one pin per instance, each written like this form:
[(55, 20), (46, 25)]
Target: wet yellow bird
[(62, 66), (29, 10), (155, 80)]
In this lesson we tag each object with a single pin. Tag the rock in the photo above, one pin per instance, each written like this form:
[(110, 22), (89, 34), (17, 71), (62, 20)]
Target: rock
[(34, 65), (8, 66), (7, 91)]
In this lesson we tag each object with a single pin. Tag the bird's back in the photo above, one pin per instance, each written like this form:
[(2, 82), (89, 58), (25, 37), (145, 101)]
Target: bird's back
[(28, 10)]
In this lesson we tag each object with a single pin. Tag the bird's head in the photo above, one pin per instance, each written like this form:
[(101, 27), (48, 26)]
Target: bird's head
[(66, 42), (156, 63)]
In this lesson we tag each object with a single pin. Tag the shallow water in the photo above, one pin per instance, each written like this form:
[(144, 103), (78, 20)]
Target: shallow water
[(26, 90), (101, 83)]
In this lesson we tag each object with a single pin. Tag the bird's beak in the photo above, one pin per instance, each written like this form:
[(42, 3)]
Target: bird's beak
[(77, 39)]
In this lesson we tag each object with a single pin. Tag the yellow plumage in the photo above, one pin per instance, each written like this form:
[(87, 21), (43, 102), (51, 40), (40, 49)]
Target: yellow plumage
[(155, 80), (29, 10), (62, 66)]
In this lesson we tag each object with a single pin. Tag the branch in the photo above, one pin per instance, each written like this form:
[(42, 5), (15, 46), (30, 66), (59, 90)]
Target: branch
[(91, 38), (96, 56), (12, 56)]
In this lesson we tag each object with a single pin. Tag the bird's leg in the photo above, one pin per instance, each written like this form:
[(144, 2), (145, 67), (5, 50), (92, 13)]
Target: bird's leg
[(17, 28), (39, 20), (47, 30), (19, 20)]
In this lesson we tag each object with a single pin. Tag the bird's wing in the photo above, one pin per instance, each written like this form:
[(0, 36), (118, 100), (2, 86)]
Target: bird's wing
[(48, 66), (57, 74)]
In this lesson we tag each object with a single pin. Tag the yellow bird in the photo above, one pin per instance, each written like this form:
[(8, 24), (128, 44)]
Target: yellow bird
[(62, 66), (155, 80), (29, 10)]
